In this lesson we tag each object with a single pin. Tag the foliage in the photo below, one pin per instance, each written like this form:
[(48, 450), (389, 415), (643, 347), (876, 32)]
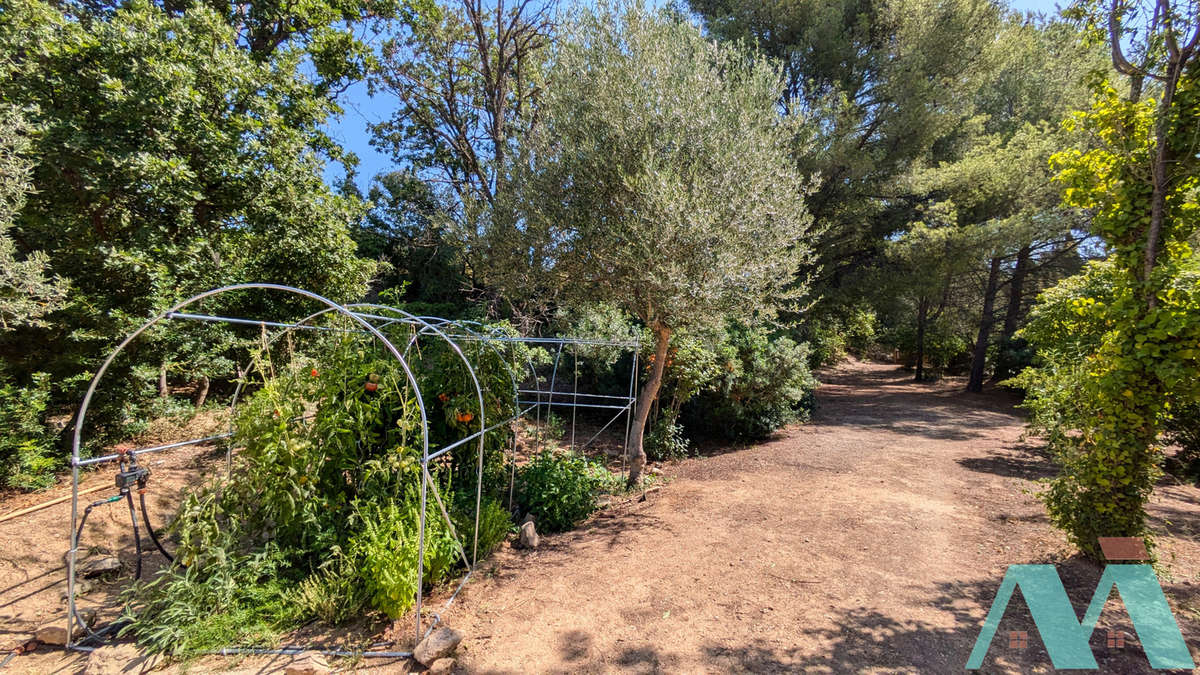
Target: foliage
[(466, 78), (26, 294), (26, 445), (882, 85), (666, 440), (831, 335), (237, 599), (764, 384), (321, 514), (404, 230), (171, 159), (558, 488), (701, 177), (699, 215), (1133, 350), (944, 344), (1183, 429)]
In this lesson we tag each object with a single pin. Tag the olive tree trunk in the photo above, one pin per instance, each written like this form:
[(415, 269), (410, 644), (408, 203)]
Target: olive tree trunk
[(637, 454)]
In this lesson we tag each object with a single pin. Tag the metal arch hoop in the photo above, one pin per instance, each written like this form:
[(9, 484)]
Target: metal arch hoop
[(72, 553), (517, 412), (483, 429)]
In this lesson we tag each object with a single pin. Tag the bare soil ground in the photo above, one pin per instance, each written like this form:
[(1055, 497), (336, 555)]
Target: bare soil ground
[(870, 540)]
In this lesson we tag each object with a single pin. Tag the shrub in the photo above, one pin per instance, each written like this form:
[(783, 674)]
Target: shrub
[(494, 521), (559, 489), (666, 439), (765, 384), (945, 345), (1011, 357), (861, 329), (26, 444), (827, 343)]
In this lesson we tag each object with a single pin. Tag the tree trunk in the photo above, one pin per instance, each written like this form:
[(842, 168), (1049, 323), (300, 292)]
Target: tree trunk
[(163, 392), (922, 312), (979, 357), (1016, 292), (202, 391), (637, 455), (1163, 157)]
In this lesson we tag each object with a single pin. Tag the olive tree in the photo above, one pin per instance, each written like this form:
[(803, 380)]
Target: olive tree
[(658, 180)]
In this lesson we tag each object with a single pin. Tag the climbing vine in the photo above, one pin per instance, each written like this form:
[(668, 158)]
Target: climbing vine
[(1148, 349)]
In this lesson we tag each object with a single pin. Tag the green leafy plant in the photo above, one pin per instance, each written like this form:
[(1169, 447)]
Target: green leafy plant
[(321, 516), (558, 488), (765, 383), (27, 454), (1183, 429), (666, 439)]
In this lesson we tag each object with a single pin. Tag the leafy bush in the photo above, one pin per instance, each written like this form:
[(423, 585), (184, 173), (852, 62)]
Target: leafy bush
[(27, 454), (1067, 331), (765, 383), (861, 329), (384, 553), (666, 439), (827, 343), (1012, 356), (945, 345), (559, 489), (832, 336)]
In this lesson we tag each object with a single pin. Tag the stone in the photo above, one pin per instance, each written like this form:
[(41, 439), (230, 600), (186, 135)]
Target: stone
[(124, 659), (527, 519), (52, 633), (96, 566), (438, 645), (442, 667), (82, 587), (308, 663), (529, 536)]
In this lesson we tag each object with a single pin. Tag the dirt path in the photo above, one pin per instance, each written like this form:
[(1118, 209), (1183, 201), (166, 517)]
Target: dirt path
[(872, 539)]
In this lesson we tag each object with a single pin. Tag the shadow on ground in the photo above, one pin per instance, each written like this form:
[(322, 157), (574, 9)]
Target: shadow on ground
[(868, 639)]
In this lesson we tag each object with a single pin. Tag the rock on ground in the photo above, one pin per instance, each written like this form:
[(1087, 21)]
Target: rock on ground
[(438, 645), (442, 667), (52, 633), (94, 567), (529, 536)]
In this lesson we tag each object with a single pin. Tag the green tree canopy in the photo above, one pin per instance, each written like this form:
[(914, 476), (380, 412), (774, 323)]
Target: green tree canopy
[(659, 180), (171, 160)]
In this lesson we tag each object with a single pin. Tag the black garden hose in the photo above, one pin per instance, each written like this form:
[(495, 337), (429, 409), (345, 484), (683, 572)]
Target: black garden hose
[(150, 529), (79, 533), (137, 536)]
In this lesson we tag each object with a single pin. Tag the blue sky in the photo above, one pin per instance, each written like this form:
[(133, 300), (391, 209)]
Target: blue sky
[(351, 130)]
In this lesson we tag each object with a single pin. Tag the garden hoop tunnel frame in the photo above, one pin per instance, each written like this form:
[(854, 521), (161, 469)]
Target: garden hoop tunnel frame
[(373, 323), (81, 418)]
